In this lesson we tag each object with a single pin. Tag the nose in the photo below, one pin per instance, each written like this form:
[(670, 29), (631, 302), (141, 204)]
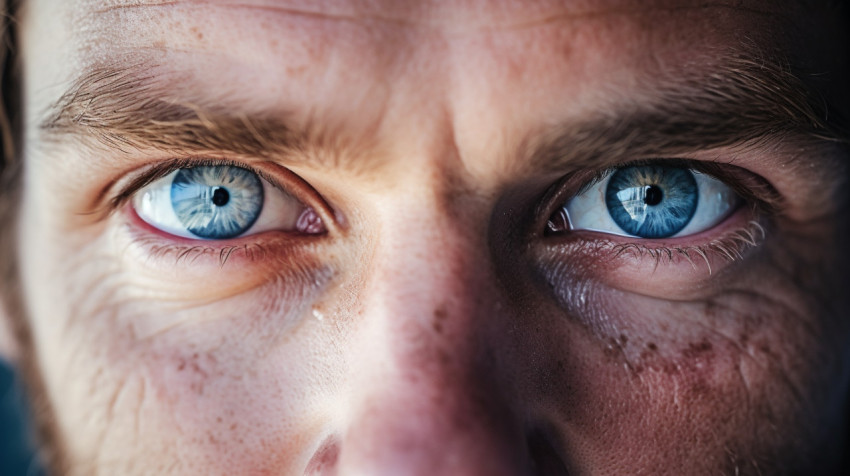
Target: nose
[(427, 394)]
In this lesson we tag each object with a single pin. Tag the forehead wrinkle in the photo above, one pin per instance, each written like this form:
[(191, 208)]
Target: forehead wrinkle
[(200, 114), (430, 15), (324, 15), (564, 17)]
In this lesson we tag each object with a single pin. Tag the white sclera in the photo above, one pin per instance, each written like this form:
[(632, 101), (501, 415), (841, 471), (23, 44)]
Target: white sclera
[(588, 210), (280, 210)]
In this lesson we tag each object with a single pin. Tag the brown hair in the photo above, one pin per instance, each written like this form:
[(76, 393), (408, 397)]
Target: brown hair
[(10, 167)]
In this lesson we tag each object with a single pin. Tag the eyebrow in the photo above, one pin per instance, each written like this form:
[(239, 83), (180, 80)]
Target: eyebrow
[(127, 107), (742, 100)]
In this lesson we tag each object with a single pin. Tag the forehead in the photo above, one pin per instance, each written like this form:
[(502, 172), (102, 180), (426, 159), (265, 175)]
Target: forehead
[(262, 31), (267, 33), (278, 44), (427, 74)]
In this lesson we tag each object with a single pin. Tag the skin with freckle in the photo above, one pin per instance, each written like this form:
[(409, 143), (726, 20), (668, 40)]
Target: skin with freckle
[(419, 318)]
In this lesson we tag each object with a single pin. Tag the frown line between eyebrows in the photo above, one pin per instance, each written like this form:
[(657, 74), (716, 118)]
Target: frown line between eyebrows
[(129, 107)]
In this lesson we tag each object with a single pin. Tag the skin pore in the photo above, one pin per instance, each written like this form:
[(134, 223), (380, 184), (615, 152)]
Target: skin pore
[(431, 324)]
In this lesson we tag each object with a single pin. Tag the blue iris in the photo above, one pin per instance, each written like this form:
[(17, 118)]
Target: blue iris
[(652, 201), (218, 201)]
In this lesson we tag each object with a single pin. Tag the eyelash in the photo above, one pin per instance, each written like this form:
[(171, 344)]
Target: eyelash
[(260, 249), (731, 246), (162, 169), (756, 190), (254, 251), (763, 200)]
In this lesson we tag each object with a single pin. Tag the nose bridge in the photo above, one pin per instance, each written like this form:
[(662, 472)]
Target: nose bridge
[(429, 283), (425, 404)]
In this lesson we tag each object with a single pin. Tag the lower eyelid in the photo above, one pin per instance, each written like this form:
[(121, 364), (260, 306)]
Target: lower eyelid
[(630, 262), (145, 231), (232, 265), (741, 219)]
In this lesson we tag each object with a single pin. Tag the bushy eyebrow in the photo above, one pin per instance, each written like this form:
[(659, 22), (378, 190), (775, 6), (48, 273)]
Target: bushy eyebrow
[(743, 99), (128, 107)]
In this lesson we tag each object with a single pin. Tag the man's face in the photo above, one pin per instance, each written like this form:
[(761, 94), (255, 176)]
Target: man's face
[(441, 237)]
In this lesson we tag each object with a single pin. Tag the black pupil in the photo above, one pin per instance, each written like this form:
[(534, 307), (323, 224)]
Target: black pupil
[(220, 196), (652, 195)]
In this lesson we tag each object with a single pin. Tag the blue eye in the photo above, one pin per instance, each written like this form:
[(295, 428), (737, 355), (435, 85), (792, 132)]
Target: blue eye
[(651, 201), (218, 202)]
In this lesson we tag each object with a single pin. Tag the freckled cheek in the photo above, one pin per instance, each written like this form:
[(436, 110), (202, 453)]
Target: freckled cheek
[(230, 381), (240, 413), (644, 373)]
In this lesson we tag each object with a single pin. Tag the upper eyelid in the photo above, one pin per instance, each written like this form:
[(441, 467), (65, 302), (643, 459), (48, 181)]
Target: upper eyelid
[(163, 168), (767, 198)]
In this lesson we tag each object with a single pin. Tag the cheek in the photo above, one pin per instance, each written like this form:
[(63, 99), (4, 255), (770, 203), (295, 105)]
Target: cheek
[(743, 376), (211, 381), (237, 405)]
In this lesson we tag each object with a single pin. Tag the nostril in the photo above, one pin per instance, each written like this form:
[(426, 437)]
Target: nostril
[(545, 460), (323, 462)]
